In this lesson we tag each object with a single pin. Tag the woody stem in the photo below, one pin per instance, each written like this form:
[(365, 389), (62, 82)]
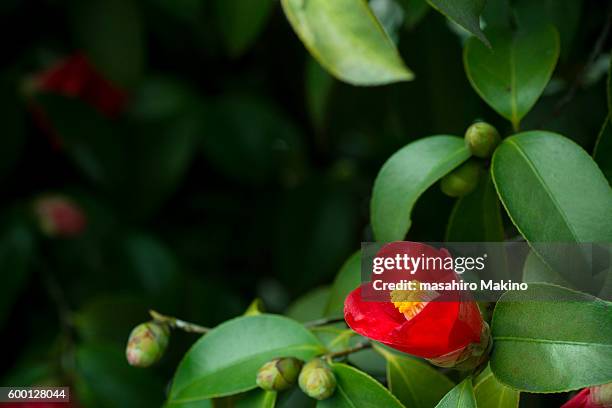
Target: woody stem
[(346, 352), (324, 321), (175, 323)]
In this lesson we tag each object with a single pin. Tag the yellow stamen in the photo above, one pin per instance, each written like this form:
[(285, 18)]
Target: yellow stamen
[(411, 302)]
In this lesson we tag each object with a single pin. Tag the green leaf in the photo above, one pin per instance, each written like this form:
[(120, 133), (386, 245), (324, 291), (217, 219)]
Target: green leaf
[(257, 399), (247, 132), (152, 266), (95, 144), (225, 361), (511, 76), (346, 39), (466, 13), (319, 85), (491, 393), (357, 389), (346, 281), (462, 396), (112, 34), (334, 338), (415, 383), (414, 11), (535, 270), (105, 380), (537, 173), (563, 14), (405, 176), (241, 22), (476, 217), (311, 306), (568, 334), (602, 153)]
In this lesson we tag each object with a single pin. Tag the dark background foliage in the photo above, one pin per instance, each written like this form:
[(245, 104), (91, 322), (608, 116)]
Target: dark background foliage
[(239, 169)]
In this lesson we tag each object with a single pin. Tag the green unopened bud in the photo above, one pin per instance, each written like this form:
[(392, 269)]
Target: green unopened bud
[(279, 374), (461, 181), (482, 139), (317, 380), (147, 344)]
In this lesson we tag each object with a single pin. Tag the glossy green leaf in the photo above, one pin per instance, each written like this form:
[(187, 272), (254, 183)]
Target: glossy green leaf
[(346, 281), (405, 176), (476, 217), (194, 404), (390, 15), (511, 75), (111, 32), (415, 383), (311, 306), (414, 11), (466, 13), (346, 39), (491, 393), (241, 22), (462, 396), (538, 173), (535, 270), (602, 154), (357, 389), (563, 14), (257, 399), (225, 361), (368, 360), (568, 334), (334, 338), (319, 85)]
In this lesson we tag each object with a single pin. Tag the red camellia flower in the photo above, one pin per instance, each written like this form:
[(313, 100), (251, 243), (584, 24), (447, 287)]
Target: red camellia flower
[(59, 216), (444, 327), (594, 397), (76, 77)]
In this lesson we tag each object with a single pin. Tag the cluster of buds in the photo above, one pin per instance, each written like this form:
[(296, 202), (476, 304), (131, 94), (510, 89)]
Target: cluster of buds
[(147, 343), (481, 139), (59, 216), (315, 378)]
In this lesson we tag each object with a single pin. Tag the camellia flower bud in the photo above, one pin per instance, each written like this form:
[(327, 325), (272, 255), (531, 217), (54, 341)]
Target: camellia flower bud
[(461, 181), (58, 216), (317, 380), (482, 139), (279, 374), (594, 397), (147, 344)]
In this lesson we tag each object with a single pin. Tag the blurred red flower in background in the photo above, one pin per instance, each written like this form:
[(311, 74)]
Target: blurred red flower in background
[(446, 331), (76, 77), (59, 216)]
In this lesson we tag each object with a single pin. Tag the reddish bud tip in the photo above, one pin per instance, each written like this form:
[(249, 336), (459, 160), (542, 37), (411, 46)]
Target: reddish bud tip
[(58, 216)]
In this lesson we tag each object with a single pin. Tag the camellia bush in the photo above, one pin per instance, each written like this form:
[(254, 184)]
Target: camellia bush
[(171, 236), (433, 354)]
